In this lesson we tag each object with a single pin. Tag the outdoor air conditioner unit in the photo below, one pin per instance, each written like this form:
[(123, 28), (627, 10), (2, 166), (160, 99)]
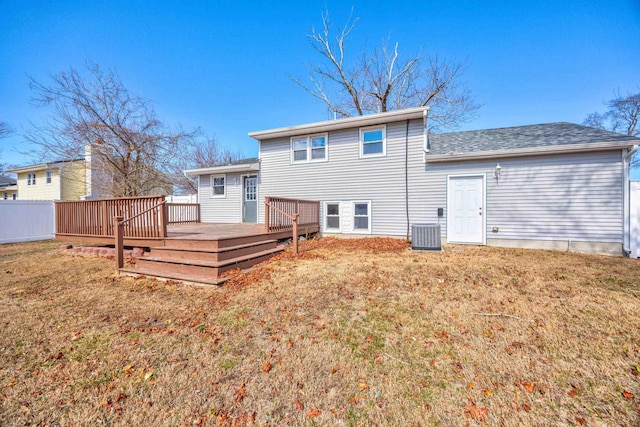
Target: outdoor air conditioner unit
[(426, 237)]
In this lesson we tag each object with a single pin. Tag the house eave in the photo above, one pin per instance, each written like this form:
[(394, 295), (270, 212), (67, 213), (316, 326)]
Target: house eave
[(532, 151), (249, 167), (41, 166), (349, 122)]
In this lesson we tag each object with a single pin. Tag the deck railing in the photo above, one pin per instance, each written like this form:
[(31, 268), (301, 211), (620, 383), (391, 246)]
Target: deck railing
[(282, 214), (279, 211), (183, 213), (96, 217)]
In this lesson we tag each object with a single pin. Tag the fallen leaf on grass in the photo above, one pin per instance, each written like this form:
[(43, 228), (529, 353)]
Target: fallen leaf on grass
[(363, 385), (487, 392), (314, 413), (529, 386), (240, 394), (335, 369), (266, 367), (475, 413), (299, 405), (573, 392), (526, 407), (581, 421), (627, 394), (470, 385)]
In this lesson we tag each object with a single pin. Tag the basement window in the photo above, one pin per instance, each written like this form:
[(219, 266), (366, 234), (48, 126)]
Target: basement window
[(361, 217), (332, 216)]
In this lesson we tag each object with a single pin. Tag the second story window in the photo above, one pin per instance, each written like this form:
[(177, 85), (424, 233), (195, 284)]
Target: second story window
[(312, 148), (47, 175), (373, 141), (31, 179)]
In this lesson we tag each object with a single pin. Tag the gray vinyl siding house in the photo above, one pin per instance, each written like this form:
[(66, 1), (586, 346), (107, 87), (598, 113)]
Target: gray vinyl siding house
[(556, 186)]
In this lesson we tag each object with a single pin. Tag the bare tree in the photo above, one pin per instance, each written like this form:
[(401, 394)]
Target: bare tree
[(622, 116), (134, 152), (383, 81), (5, 132), (204, 154)]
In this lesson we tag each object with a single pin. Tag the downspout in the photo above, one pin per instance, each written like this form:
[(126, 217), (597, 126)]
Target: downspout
[(406, 175), (626, 225), (425, 130)]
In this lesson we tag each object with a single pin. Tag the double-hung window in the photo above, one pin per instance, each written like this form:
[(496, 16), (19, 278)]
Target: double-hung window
[(311, 148), (47, 175), (361, 217), (218, 186), (373, 141), (31, 179), (332, 216)]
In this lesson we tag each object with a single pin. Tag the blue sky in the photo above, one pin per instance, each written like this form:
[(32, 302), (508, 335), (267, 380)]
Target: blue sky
[(225, 66)]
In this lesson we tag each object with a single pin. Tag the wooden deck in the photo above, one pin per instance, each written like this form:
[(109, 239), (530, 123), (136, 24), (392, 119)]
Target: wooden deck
[(179, 247), (210, 232)]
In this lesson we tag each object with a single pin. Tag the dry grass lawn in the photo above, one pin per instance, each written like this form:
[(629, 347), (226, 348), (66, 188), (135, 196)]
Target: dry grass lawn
[(354, 332)]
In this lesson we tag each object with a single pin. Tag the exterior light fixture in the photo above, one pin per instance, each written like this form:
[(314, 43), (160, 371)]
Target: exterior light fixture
[(496, 172)]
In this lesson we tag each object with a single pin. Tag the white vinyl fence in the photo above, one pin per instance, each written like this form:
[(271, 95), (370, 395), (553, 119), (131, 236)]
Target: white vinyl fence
[(26, 220)]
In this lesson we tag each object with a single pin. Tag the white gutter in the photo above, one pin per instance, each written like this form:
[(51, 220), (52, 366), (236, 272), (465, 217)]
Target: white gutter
[(224, 169), (518, 152), (349, 122), (626, 225)]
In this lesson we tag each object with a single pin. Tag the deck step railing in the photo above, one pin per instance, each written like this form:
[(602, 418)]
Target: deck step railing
[(281, 214), (95, 218), (183, 213)]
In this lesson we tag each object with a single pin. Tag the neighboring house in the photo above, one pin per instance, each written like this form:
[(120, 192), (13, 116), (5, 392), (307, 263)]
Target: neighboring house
[(8, 188), (60, 180), (557, 185)]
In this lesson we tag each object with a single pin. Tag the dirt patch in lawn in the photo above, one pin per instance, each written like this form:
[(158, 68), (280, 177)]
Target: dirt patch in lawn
[(354, 332)]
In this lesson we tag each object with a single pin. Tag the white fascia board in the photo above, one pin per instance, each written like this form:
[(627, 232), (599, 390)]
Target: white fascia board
[(349, 122), (520, 152), (247, 167)]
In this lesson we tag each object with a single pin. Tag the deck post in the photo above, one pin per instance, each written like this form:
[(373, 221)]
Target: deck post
[(118, 229), (164, 218), (267, 207), (295, 233)]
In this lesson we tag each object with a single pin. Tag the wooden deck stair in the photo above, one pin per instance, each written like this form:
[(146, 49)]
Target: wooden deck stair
[(204, 261)]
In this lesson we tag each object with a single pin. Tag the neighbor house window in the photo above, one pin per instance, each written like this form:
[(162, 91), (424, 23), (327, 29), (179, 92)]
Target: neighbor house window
[(6, 196), (312, 148), (31, 179), (47, 175), (332, 217), (373, 141), (361, 217), (15, 196), (218, 185)]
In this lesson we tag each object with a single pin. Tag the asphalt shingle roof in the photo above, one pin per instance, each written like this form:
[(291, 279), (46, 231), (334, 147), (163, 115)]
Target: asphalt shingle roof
[(531, 136)]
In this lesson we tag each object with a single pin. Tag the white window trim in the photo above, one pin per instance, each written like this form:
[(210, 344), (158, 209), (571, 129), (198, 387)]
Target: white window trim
[(351, 220), (48, 177), (353, 212), (218, 196), (383, 128), (310, 148), (326, 207)]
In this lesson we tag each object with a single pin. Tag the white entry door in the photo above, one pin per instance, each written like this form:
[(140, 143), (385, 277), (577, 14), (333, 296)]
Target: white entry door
[(465, 209)]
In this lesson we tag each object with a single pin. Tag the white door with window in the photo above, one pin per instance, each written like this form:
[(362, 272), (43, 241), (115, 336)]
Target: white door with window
[(465, 209)]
